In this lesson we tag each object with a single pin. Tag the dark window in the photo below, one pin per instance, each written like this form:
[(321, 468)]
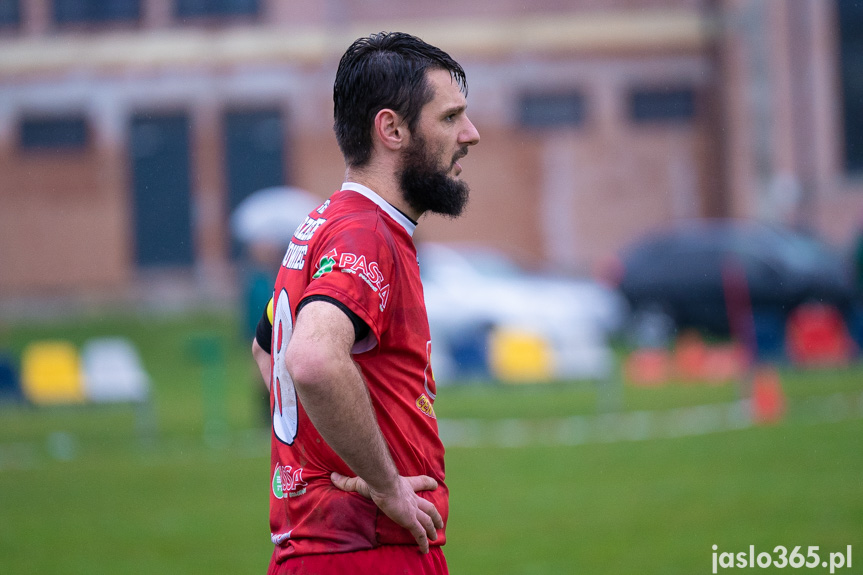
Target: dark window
[(161, 170), (217, 7), (255, 154), (62, 133), (72, 11), (550, 110), (10, 13), (851, 54), (663, 105)]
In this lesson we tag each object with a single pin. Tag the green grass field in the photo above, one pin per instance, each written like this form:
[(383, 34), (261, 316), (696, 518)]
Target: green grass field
[(86, 490)]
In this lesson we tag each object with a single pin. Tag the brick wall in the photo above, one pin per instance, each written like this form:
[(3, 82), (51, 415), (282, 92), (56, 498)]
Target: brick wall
[(568, 197)]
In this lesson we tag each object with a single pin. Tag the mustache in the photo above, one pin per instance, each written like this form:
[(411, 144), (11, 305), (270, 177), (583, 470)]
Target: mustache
[(459, 155)]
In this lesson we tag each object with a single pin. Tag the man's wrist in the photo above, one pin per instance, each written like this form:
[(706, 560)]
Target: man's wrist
[(387, 485)]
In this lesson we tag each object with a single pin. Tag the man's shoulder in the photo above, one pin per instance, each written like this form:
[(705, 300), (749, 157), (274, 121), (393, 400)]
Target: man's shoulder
[(346, 210), (352, 205)]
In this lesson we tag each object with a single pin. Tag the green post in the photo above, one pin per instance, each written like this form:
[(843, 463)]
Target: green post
[(208, 349)]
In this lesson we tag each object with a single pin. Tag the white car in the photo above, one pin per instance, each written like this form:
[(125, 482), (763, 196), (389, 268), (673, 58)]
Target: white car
[(473, 291)]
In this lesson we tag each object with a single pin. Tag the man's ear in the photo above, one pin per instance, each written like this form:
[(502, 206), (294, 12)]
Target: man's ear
[(390, 129)]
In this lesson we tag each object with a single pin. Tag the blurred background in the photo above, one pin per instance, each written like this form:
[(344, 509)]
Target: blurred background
[(648, 323)]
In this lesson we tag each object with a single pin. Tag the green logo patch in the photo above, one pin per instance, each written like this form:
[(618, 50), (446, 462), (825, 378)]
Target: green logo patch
[(277, 484), (325, 266)]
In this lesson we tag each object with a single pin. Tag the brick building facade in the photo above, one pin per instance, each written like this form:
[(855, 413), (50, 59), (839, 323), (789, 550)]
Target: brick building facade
[(129, 129)]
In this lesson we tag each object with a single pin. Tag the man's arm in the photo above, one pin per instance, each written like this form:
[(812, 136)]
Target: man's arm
[(262, 342), (334, 395), (262, 358)]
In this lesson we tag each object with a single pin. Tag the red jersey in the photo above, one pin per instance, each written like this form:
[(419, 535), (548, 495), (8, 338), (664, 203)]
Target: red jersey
[(358, 249)]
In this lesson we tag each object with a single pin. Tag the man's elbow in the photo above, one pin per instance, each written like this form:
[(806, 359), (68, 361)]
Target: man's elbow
[(308, 366), (257, 351)]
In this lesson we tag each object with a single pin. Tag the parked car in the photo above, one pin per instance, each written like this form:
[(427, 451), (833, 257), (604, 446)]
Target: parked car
[(471, 291), (687, 274)]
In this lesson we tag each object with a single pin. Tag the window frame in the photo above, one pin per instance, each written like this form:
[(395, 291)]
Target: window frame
[(662, 105), (14, 22), (215, 10), (93, 13), (850, 50), (564, 109), (35, 133)]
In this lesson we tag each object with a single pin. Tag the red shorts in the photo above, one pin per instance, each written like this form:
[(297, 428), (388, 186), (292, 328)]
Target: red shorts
[(383, 560)]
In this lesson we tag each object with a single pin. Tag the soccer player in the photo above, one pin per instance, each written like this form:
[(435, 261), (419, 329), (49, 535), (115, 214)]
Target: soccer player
[(357, 465)]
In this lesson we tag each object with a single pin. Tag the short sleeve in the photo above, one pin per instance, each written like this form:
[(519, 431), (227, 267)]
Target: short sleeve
[(264, 330), (354, 264)]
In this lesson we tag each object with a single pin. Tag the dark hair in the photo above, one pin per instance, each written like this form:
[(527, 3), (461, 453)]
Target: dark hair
[(385, 70)]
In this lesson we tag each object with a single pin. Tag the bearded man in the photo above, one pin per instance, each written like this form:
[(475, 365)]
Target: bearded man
[(357, 464)]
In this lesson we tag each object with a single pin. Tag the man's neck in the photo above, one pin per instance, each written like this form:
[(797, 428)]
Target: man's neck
[(384, 185)]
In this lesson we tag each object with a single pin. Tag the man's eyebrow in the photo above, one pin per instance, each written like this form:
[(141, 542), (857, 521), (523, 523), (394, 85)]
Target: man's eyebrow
[(454, 110)]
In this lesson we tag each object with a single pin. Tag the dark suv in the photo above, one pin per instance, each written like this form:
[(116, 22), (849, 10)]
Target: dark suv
[(688, 273)]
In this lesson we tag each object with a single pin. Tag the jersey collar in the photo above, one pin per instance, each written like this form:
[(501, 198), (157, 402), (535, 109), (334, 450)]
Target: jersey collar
[(396, 214)]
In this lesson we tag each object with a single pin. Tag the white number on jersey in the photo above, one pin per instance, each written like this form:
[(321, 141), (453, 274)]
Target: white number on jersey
[(285, 396)]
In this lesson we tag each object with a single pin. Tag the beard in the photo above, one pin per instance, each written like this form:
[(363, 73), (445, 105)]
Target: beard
[(427, 187)]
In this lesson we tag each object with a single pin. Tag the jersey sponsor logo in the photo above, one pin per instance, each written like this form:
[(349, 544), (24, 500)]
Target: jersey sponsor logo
[(288, 482), (369, 272), (325, 266), (308, 228), (424, 404), (295, 257)]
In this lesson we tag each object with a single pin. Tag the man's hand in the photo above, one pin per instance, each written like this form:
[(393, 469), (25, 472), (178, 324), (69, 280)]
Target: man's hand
[(403, 505)]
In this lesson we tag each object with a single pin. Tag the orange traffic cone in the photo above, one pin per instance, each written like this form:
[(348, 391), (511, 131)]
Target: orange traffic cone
[(768, 399), (648, 367), (690, 357)]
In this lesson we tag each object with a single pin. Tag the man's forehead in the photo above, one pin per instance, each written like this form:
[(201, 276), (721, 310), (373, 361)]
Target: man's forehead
[(447, 91)]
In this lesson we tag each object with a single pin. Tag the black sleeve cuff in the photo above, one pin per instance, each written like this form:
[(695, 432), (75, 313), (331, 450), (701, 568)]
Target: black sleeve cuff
[(264, 332), (361, 330)]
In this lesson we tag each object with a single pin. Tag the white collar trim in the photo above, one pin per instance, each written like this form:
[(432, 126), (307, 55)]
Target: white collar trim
[(394, 213)]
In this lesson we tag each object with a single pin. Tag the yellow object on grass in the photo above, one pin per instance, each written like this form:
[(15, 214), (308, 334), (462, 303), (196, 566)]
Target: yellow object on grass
[(518, 356), (51, 373)]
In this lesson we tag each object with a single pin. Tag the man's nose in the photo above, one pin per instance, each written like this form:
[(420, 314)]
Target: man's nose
[(469, 136)]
